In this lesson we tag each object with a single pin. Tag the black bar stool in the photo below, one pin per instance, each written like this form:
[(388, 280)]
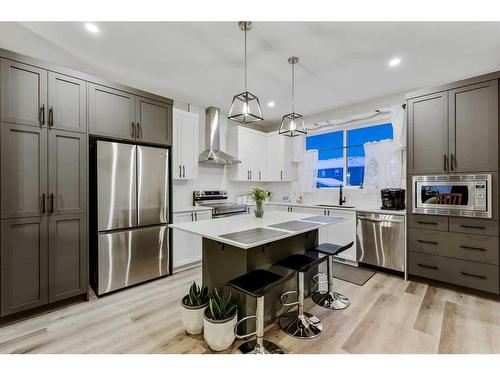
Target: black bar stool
[(257, 284), (330, 299), (298, 323)]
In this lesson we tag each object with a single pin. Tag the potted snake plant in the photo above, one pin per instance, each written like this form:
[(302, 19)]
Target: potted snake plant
[(220, 318), (192, 306)]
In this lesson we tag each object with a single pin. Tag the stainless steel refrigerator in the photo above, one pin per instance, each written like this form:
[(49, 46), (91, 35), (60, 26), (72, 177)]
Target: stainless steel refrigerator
[(132, 193)]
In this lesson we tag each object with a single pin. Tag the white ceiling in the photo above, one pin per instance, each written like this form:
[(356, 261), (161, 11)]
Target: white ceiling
[(340, 63)]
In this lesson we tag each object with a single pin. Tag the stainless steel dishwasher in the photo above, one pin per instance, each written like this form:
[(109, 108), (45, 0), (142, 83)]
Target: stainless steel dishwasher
[(381, 240)]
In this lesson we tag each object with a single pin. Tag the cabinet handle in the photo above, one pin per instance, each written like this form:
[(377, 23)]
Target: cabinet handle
[(196, 216), (452, 161), (427, 266), (250, 174), (281, 175), (473, 275), (133, 129), (41, 115), (473, 227), (328, 213), (43, 203), (472, 248), (180, 171), (139, 131), (445, 166), (51, 116), (259, 176), (51, 197), (183, 171), (428, 242), (427, 222)]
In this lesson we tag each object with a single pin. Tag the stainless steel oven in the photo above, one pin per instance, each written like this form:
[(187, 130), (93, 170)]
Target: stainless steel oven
[(453, 195)]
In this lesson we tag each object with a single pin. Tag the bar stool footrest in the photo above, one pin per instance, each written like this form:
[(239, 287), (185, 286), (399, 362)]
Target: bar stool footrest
[(241, 337), (287, 304), (316, 277)]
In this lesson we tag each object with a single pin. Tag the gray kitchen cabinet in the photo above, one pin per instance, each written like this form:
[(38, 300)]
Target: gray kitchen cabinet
[(23, 164), (111, 112), (428, 134), (67, 171), (473, 128), (23, 94), (67, 103), (67, 256), (153, 121), (23, 264)]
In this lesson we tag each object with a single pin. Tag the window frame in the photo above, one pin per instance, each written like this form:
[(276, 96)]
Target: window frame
[(357, 124)]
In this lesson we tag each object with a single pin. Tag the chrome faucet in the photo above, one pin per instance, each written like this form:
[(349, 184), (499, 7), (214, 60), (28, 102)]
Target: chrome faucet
[(341, 197)]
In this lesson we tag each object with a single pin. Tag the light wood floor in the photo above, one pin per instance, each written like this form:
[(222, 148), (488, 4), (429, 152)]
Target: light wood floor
[(387, 315)]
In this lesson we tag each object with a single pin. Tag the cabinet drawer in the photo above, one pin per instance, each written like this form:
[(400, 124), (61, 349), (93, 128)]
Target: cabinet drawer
[(460, 272), (470, 247), (428, 222), (474, 226)]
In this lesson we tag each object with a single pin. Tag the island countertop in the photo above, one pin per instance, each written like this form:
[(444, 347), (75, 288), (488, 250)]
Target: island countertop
[(232, 227)]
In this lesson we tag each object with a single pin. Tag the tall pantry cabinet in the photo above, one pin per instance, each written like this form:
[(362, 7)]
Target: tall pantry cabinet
[(43, 187)]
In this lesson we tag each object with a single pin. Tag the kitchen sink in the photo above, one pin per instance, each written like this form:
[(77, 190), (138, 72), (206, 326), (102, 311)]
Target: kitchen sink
[(335, 206)]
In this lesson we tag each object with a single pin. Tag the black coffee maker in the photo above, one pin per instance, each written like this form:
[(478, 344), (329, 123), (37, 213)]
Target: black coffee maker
[(393, 199)]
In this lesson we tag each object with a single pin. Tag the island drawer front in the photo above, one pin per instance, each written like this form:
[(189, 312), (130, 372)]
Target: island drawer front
[(469, 274), (470, 247), (428, 222), (474, 226)]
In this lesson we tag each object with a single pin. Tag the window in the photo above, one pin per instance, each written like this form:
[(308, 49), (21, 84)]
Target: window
[(343, 151)]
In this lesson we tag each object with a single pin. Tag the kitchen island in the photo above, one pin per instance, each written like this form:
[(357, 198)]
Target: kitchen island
[(235, 245)]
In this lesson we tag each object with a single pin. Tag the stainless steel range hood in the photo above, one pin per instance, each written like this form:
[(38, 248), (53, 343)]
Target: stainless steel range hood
[(213, 154)]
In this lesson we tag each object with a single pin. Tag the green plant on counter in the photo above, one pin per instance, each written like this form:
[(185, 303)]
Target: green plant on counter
[(220, 307), (197, 296), (258, 194)]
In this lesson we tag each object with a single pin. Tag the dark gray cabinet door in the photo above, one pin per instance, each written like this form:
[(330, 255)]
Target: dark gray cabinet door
[(67, 172), (23, 93), (67, 103), (67, 256), (473, 131), (428, 134), (111, 112), (154, 121), (23, 170), (23, 264)]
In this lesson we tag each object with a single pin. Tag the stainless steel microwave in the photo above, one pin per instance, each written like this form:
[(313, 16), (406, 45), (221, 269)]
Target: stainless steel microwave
[(453, 195)]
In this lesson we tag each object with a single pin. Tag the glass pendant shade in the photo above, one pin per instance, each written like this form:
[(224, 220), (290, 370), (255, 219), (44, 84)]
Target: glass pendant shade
[(245, 107), (292, 125)]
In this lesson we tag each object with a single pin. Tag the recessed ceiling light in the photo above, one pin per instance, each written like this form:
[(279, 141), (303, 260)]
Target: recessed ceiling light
[(394, 62), (91, 27), (271, 104)]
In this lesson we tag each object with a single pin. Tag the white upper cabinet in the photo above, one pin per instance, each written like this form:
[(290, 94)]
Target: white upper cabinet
[(264, 156), (185, 145)]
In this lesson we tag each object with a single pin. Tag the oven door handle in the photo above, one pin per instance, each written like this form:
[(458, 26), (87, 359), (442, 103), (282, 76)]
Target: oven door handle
[(218, 216)]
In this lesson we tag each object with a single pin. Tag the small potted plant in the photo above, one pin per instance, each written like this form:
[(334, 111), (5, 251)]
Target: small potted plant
[(219, 321), (259, 195), (193, 306)]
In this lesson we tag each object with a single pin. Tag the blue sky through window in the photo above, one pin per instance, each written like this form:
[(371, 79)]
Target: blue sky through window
[(331, 153)]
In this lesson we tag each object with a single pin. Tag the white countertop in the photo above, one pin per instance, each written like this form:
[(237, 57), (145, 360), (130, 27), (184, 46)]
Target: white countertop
[(191, 209), (213, 229), (359, 208)]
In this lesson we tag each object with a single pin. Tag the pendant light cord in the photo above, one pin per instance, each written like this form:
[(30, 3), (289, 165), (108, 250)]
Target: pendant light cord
[(293, 87), (245, 60)]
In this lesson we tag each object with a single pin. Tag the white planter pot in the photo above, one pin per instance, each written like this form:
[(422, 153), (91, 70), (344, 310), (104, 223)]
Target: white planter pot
[(219, 334), (192, 317)]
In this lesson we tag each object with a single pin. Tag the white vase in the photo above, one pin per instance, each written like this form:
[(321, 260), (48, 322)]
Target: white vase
[(219, 334), (192, 317)]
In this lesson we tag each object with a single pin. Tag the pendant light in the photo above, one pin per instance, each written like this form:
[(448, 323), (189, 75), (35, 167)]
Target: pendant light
[(292, 124), (245, 107)]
